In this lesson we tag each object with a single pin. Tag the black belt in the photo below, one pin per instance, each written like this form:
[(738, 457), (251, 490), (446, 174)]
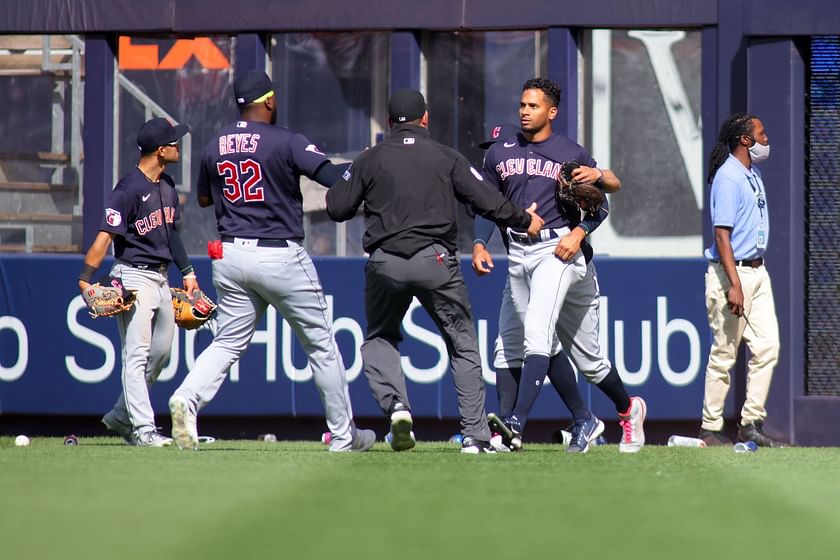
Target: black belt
[(524, 239), (260, 242), (752, 263), (162, 268)]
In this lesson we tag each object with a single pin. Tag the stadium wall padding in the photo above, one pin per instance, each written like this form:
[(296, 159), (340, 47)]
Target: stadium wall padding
[(55, 359)]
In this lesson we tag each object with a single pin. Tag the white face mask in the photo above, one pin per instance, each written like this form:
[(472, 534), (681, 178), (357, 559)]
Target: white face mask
[(759, 152)]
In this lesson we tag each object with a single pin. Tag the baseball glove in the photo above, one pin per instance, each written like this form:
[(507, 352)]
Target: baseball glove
[(108, 297), (191, 313), (570, 194)]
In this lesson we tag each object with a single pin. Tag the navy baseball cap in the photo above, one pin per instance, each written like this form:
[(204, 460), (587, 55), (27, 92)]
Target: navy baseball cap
[(498, 132), (406, 105), (159, 132), (252, 86)]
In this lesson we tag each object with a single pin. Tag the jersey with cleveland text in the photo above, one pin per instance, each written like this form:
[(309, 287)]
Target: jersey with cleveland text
[(525, 172), (142, 214), (251, 171)]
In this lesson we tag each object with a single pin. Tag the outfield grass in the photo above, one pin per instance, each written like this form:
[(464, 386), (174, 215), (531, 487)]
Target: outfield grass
[(244, 500)]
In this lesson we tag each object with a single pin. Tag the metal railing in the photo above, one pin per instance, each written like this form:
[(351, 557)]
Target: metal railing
[(77, 95), (152, 110)]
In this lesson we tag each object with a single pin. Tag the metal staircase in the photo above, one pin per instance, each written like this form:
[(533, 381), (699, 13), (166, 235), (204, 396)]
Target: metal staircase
[(40, 192)]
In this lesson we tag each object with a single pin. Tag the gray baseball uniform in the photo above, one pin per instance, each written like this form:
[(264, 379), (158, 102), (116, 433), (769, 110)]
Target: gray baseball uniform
[(142, 215), (251, 173), (541, 284)]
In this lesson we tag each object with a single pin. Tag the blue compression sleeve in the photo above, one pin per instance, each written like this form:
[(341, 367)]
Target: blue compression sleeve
[(483, 230), (591, 223), (179, 254), (329, 174)]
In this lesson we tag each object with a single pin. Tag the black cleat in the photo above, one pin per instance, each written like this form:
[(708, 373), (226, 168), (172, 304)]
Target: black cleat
[(712, 438), (510, 429), (755, 433)]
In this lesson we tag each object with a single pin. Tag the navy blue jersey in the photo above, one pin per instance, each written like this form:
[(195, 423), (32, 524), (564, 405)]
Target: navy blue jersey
[(142, 214), (526, 172), (251, 171)]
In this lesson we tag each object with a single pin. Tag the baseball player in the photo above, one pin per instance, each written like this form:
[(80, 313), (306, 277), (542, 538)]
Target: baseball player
[(507, 356), (140, 219), (552, 288), (250, 172)]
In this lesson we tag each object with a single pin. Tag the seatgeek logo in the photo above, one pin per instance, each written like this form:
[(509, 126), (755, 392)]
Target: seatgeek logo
[(424, 356)]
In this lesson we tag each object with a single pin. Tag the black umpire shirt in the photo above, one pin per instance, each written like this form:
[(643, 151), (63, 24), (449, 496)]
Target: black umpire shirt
[(409, 184)]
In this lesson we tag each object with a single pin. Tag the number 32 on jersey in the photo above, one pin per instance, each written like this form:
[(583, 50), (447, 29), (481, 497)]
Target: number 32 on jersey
[(242, 180)]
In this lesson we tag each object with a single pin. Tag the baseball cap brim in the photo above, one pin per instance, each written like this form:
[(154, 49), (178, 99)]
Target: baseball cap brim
[(179, 131)]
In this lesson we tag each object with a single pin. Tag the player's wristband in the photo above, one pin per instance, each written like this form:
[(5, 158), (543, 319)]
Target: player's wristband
[(584, 227), (476, 241), (86, 275), (187, 270), (601, 178)]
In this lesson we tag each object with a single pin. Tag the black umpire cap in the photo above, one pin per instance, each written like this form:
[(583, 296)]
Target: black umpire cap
[(159, 132), (406, 105), (253, 86), (498, 132)]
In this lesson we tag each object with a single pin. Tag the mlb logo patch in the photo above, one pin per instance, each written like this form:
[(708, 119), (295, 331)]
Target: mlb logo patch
[(112, 217), (241, 124), (408, 140)]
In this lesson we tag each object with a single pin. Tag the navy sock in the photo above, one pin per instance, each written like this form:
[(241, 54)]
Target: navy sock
[(507, 383), (533, 374), (562, 377), (613, 387)]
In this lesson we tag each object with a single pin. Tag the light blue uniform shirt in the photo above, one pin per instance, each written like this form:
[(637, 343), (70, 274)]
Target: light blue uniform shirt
[(738, 201)]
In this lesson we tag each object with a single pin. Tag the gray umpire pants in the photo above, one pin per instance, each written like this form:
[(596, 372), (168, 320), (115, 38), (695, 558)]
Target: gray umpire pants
[(433, 276)]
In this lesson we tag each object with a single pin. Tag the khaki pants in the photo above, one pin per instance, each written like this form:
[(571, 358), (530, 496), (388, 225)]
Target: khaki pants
[(760, 330)]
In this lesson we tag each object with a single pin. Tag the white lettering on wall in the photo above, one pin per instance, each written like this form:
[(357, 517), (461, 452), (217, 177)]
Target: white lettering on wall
[(15, 370), (634, 362), (664, 330), (350, 326), (88, 336), (641, 375)]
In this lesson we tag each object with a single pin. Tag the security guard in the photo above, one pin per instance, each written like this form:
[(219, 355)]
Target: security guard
[(410, 185)]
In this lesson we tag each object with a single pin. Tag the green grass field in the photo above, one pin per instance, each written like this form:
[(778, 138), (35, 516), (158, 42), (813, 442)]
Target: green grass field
[(252, 500)]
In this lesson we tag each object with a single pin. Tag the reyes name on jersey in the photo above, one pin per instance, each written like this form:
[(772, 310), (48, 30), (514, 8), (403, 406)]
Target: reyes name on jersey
[(252, 170)]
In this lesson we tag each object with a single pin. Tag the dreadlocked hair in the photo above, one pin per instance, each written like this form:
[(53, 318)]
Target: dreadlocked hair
[(550, 88), (737, 125)]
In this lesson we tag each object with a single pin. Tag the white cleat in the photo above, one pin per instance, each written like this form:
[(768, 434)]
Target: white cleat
[(402, 438), (633, 426), (150, 439), (184, 430)]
